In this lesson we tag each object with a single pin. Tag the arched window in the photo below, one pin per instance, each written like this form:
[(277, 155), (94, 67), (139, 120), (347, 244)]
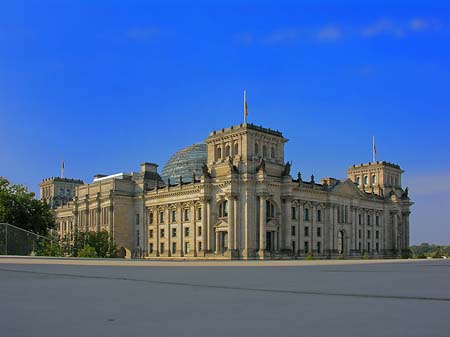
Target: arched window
[(223, 209), (227, 151), (366, 180), (264, 151), (358, 180), (272, 152), (256, 148), (236, 149), (270, 210), (374, 179), (219, 153)]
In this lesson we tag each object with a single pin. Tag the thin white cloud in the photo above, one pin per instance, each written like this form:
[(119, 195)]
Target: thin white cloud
[(418, 25), (329, 33), (245, 38), (282, 36), (143, 33), (382, 27)]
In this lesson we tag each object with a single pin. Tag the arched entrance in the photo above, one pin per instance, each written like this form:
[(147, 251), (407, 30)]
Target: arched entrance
[(341, 246)]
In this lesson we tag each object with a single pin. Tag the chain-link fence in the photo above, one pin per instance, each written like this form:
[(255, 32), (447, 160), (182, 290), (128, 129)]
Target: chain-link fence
[(17, 241)]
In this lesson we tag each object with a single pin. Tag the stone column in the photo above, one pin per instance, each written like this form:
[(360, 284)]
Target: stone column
[(180, 230), (335, 222), (111, 220), (230, 199), (286, 225), (168, 234), (209, 230), (217, 246), (300, 228), (204, 225), (193, 231), (262, 224), (157, 231), (313, 227), (97, 216)]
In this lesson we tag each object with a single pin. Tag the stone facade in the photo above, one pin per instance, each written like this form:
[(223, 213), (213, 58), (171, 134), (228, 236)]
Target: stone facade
[(58, 191), (246, 205)]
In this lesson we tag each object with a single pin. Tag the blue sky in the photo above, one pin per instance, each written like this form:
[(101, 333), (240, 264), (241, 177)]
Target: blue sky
[(106, 85)]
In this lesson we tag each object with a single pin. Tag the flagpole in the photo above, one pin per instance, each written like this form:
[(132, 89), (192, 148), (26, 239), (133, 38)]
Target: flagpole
[(62, 170), (245, 107), (374, 150)]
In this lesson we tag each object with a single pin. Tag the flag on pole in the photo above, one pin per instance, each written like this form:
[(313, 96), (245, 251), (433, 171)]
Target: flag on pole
[(245, 108), (374, 149)]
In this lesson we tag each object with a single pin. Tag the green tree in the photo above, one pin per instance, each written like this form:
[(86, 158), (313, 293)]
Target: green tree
[(19, 207), (99, 241), (87, 251)]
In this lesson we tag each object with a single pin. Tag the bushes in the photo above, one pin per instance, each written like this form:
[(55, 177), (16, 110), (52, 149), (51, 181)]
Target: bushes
[(99, 241), (310, 256), (87, 251)]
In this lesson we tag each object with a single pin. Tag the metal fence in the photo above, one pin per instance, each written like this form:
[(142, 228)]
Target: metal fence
[(17, 241)]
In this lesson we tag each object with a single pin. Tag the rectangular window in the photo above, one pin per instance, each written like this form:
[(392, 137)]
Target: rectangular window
[(319, 232), (368, 219), (377, 247), (199, 231), (187, 247), (377, 234), (150, 248), (174, 232), (199, 213), (368, 234), (292, 230), (173, 215), (306, 247), (186, 214), (306, 214), (294, 214), (150, 218), (319, 215), (306, 231), (138, 238), (368, 247), (360, 219), (293, 246), (174, 247), (199, 246), (161, 248), (319, 247), (150, 233), (377, 220), (359, 246), (137, 219), (359, 234), (161, 233), (161, 217), (186, 231)]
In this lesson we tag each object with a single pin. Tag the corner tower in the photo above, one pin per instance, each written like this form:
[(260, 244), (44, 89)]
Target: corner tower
[(245, 147), (380, 177)]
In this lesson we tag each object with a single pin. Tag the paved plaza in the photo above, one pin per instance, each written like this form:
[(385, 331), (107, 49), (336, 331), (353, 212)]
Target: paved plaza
[(63, 297)]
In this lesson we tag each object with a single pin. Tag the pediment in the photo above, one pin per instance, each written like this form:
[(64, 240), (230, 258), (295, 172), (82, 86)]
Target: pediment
[(221, 224), (348, 188)]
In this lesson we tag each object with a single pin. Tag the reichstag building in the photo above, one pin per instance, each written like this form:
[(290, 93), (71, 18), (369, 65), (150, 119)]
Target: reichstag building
[(234, 196)]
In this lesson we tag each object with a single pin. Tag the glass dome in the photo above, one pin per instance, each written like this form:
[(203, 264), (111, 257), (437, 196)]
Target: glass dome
[(185, 162)]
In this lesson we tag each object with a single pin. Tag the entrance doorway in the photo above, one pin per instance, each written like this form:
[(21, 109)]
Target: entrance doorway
[(341, 242)]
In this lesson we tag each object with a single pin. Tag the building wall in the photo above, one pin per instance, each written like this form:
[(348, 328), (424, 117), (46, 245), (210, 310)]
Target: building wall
[(246, 171)]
